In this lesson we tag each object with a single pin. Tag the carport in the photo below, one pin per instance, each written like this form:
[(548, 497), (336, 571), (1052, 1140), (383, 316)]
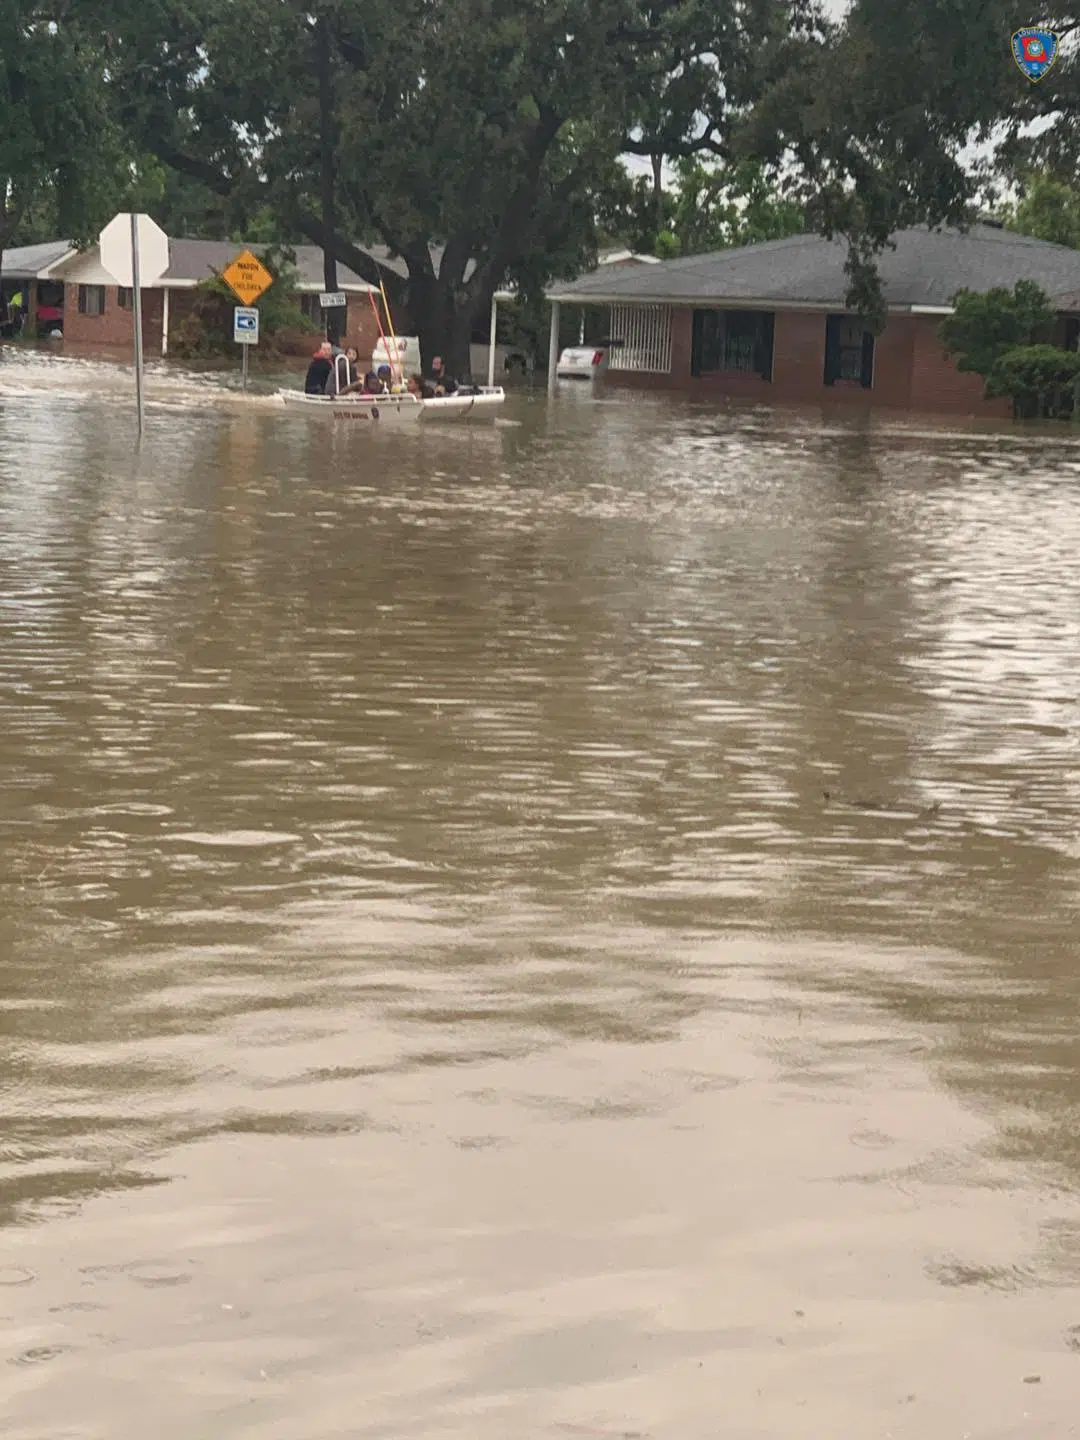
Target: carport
[(24, 270)]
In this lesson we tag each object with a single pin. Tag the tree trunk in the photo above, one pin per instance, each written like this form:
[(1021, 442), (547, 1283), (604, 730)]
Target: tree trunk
[(326, 165), (658, 191), (443, 323)]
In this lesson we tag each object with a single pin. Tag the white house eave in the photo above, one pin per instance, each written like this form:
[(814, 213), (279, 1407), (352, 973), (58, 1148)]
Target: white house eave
[(47, 272), (731, 302), (312, 287)]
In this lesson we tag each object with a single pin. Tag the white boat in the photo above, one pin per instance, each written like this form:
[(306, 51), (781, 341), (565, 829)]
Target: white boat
[(480, 403), (382, 411)]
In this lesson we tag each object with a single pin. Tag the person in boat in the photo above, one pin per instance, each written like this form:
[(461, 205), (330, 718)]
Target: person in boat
[(415, 387), (355, 381), (385, 377), (319, 371), (439, 382)]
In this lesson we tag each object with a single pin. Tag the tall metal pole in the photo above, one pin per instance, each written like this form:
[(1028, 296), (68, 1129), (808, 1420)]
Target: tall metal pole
[(136, 313), (491, 339), (245, 349), (327, 156), (553, 347)]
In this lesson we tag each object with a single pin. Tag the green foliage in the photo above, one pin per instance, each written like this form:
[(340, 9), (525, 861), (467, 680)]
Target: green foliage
[(1048, 209), (717, 207), (206, 329), (1038, 379), (877, 120), (711, 207), (983, 328), (490, 128), (61, 156)]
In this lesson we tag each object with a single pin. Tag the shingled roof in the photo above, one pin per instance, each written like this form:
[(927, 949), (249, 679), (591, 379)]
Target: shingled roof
[(26, 262), (924, 270), (191, 260)]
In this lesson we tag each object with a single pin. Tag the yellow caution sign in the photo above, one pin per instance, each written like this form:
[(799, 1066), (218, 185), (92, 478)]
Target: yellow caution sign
[(247, 277)]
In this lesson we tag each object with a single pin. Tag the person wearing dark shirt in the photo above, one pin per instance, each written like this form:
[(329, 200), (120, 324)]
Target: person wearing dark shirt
[(439, 382), (318, 371)]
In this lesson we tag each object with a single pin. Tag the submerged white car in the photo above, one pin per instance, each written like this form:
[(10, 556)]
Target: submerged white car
[(583, 363)]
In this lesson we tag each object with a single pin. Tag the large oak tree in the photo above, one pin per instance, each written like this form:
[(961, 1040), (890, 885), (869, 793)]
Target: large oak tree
[(60, 152), (487, 129)]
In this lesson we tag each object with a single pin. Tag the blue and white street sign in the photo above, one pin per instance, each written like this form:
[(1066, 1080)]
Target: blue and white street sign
[(245, 325)]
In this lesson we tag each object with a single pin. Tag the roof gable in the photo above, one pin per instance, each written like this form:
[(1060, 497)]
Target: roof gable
[(26, 262)]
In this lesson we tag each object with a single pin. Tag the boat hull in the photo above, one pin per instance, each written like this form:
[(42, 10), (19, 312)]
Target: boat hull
[(373, 412), (481, 404)]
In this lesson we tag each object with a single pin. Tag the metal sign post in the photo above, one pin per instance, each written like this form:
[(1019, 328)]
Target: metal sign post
[(245, 333), (134, 251), (136, 315)]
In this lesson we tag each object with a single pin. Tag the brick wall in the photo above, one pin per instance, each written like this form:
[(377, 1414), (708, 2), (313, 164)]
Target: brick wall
[(937, 385), (112, 329), (911, 371)]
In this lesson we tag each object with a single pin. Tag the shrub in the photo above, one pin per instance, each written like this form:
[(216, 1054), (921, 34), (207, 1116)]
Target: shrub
[(207, 328), (1039, 380), (983, 327)]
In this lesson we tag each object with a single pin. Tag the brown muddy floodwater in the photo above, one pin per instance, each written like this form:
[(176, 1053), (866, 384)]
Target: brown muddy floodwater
[(437, 997)]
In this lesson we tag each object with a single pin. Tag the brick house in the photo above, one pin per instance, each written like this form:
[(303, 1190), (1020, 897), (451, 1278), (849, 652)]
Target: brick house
[(97, 312), (768, 322)]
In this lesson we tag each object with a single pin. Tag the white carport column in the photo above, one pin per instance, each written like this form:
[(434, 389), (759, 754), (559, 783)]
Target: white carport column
[(553, 346), (165, 320), (491, 339)]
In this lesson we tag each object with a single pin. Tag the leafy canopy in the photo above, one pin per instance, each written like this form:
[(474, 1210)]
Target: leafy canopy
[(1048, 209), (983, 327), (488, 128), (61, 155)]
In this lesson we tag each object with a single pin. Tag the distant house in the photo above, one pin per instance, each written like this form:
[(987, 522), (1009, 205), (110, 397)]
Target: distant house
[(95, 311), (769, 322), (24, 272)]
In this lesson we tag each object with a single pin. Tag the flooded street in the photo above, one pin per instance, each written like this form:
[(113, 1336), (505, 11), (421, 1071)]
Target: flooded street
[(559, 929)]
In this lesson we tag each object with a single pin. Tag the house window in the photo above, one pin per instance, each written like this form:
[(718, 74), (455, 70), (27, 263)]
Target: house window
[(849, 352), (91, 299), (732, 342), (1072, 332), (124, 297), (645, 332)]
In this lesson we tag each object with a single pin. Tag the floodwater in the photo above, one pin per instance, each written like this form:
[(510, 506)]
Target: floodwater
[(560, 929)]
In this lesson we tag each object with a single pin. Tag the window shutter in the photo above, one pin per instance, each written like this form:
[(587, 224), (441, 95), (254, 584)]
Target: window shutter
[(832, 350), (763, 349), (695, 344)]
